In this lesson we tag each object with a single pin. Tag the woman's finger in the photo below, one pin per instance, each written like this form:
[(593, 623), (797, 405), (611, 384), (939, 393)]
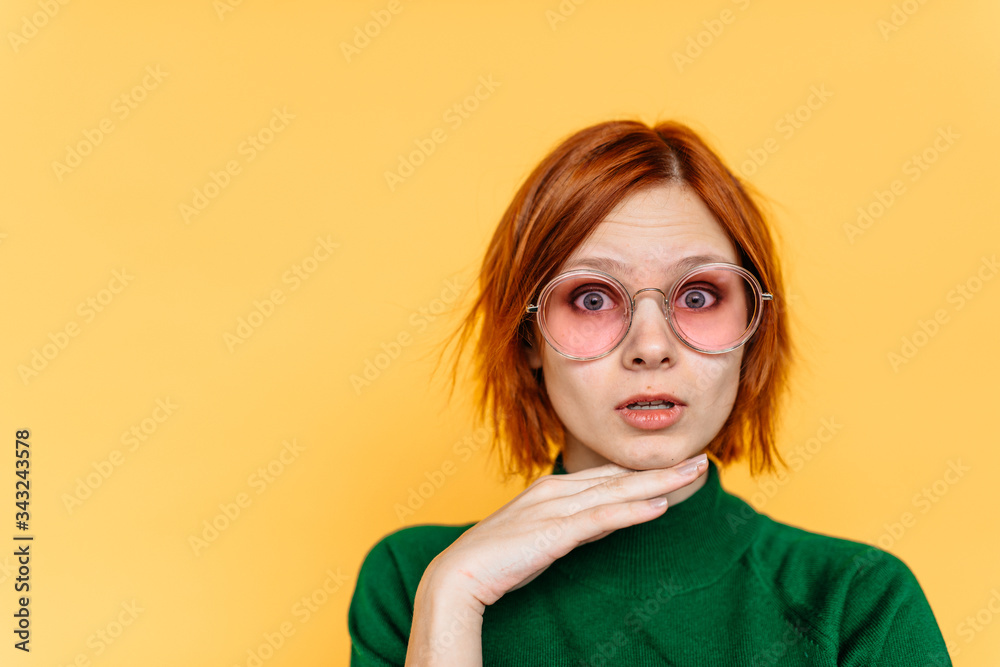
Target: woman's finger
[(555, 485), (634, 485), (589, 473), (610, 517)]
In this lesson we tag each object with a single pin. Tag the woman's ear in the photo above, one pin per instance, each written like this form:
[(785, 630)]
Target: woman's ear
[(534, 357), (533, 352)]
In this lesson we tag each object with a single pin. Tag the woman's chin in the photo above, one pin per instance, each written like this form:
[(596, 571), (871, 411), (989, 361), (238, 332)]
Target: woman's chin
[(650, 457)]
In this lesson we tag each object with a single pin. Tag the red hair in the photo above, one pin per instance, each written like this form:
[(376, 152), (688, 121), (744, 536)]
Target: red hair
[(560, 204)]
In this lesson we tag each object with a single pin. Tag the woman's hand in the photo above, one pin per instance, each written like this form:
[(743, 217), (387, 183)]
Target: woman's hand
[(515, 544), (550, 518)]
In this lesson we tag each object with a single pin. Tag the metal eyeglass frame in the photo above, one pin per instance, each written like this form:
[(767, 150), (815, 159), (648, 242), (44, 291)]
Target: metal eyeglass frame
[(761, 295)]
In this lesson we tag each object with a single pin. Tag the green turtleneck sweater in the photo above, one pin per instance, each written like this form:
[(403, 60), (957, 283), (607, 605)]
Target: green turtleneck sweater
[(709, 582)]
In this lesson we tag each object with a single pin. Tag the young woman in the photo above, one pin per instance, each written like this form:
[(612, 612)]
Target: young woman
[(633, 341)]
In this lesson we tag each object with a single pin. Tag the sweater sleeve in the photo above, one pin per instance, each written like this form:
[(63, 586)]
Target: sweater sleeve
[(381, 612), (887, 621)]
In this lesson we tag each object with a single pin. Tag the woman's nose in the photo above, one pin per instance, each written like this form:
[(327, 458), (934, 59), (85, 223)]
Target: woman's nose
[(650, 341)]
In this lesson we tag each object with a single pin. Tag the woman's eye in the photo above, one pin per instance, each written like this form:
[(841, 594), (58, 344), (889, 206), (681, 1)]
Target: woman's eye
[(593, 300), (696, 298)]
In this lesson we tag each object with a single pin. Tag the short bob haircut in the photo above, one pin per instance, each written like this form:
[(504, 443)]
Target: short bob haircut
[(560, 204)]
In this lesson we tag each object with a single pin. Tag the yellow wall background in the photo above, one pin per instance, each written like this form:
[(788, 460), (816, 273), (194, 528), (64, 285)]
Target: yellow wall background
[(121, 306)]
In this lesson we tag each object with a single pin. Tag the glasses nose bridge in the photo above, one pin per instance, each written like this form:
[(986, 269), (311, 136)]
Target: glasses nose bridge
[(663, 298)]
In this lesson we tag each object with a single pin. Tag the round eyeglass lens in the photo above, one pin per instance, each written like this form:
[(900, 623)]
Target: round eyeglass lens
[(715, 309), (584, 315)]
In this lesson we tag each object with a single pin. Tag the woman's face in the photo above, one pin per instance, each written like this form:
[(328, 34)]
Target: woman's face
[(649, 231)]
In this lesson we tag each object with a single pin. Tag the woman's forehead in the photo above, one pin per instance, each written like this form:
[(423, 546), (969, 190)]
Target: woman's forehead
[(624, 251), (622, 268), (657, 202), (655, 232)]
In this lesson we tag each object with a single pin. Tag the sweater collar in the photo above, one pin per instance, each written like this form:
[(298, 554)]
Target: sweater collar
[(691, 545)]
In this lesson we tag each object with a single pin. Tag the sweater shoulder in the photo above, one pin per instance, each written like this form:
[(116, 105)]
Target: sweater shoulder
[(832, 583), (781, 546), (406, 552)]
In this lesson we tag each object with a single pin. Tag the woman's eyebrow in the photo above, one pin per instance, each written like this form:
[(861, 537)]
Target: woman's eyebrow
[(618, 268)]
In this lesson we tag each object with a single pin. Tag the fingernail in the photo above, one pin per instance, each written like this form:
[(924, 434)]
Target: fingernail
[(692, 464)]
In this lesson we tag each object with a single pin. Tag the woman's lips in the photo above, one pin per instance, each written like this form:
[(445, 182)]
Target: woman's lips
[(651, 419), (646, 398)]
